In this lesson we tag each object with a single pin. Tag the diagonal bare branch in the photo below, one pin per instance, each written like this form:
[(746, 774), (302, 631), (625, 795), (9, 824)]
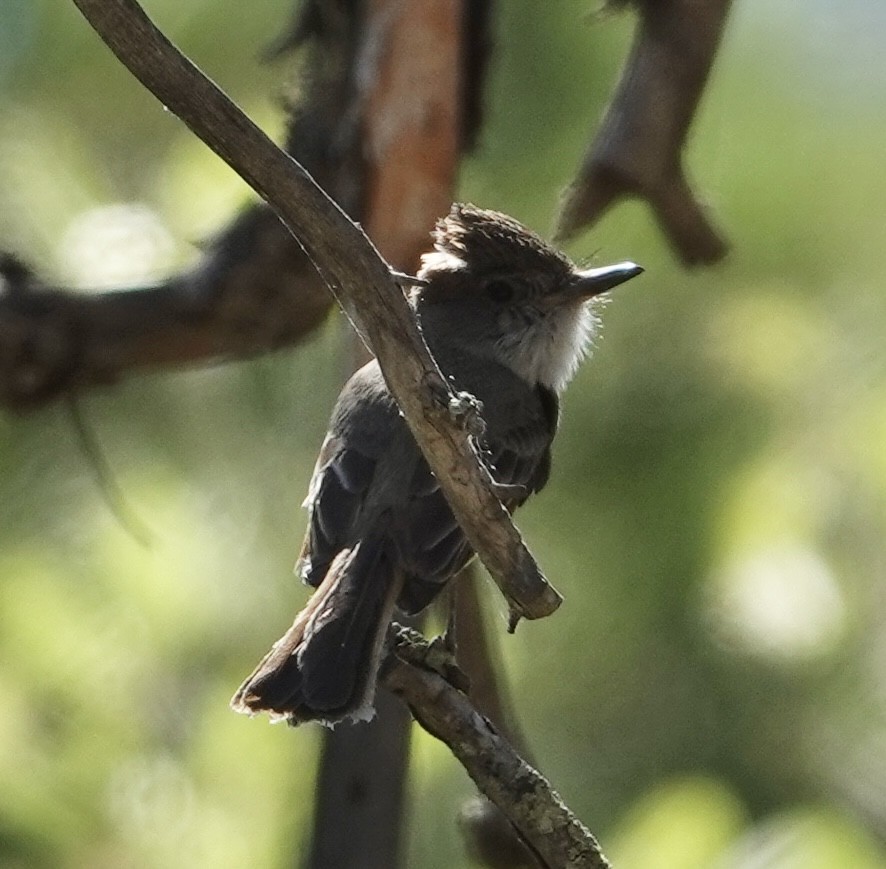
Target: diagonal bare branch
[(357, 275), (545, 824)]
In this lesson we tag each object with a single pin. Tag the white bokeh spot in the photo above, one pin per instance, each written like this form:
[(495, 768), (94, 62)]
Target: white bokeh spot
[(116, 245), (781, 602)]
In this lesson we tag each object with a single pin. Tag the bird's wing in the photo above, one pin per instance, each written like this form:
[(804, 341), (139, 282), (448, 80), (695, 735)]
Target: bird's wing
[(341, 479), (517, 448)]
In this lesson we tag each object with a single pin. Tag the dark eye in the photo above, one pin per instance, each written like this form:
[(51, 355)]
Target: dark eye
[(499, 290)]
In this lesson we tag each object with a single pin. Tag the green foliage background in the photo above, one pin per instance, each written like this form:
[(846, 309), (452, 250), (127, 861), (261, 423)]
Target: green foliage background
[(713, 692)]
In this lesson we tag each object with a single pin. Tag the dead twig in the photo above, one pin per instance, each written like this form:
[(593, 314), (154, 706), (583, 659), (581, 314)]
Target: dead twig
[(638, 149)]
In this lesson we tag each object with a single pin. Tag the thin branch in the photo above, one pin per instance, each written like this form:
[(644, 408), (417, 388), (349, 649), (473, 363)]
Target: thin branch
[(545, 824), (489, 837), (638, 150), (359, 278)]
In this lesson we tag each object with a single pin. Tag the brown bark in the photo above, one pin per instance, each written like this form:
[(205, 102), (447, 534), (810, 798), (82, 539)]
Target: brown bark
[(240, 300), (411, 125)]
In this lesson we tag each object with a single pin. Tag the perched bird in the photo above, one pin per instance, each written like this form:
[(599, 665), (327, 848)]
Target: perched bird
[(507, 318)]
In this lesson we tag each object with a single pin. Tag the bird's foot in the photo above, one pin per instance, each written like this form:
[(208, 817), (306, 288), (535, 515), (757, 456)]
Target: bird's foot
[(435, 655)]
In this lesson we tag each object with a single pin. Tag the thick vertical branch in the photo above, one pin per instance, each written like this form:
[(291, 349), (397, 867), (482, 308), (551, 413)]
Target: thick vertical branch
[(408, 66), (412, 122), (359, 808)]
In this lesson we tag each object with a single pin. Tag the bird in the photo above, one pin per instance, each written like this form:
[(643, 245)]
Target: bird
[(508, 318)]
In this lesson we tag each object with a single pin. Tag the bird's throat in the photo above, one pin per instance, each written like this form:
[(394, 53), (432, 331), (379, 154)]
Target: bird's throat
[(549, 349)]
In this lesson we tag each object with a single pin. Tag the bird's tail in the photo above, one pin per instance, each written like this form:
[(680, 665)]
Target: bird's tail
[(324, 667)]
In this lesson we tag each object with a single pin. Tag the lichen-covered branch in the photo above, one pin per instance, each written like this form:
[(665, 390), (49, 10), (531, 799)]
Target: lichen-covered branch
[(638, 149), (545, 824), (489, 837)]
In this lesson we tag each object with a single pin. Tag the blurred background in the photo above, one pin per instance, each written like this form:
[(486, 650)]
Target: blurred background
[(713, 691)]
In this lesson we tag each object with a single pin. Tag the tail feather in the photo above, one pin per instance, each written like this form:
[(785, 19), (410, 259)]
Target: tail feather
[(325, 666)]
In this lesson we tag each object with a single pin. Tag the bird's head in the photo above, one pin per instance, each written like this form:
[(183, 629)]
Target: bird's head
[(499, 289)]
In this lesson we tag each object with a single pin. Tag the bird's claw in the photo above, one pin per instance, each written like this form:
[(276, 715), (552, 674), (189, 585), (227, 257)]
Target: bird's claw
[(466, 411)]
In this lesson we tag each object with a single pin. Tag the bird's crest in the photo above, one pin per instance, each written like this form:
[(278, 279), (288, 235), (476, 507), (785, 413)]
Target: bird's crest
[(488, 241)]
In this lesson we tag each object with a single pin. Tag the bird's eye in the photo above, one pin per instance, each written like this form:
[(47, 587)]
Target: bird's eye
[(499, 290)]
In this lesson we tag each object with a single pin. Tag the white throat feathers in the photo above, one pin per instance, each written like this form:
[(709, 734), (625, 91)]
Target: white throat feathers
[(546, 347)]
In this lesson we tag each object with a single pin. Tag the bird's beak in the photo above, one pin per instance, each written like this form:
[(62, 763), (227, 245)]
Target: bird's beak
[(593, 282)]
